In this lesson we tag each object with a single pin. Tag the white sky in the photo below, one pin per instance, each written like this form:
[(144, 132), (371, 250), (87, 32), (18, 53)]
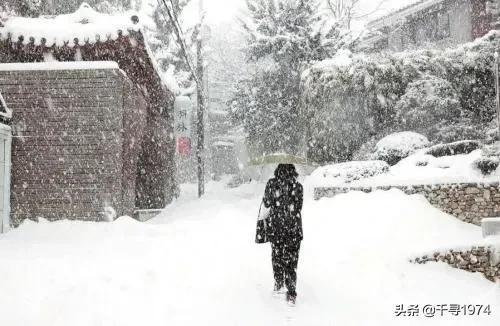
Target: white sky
[(217, 11), (226, 11)]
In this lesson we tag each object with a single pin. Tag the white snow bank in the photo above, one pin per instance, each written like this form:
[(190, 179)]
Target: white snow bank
[(421, 169), (348, 172), (86, 25), (56, 65), (426, 169)]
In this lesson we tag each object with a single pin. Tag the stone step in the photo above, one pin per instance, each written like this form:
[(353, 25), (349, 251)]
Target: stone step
[(491, 226)]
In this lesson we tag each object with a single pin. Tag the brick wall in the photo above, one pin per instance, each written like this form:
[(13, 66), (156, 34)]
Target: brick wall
[(76, 139), (470, 202)]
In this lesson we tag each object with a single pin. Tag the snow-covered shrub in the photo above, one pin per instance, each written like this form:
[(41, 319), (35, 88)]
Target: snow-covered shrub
[(398, 146), (492, 132), (455, 148), (379, 82), (461, 129), (30, 8), (427, 101), (349, 171), (487, 165), (489, 160), (334, 138)]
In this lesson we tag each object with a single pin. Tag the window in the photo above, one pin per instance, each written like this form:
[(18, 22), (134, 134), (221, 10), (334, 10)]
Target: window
[(408, 32), (443, 25)]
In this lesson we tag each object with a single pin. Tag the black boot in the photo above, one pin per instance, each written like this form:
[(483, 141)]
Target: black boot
[(291, 298)]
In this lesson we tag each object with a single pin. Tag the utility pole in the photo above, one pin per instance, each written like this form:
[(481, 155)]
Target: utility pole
[(200, 149), (497, 87)]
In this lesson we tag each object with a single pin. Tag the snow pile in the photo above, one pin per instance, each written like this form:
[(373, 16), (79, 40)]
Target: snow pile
[(197, 264), (85, 24), (397, 146), (344, 173), (421, 168)]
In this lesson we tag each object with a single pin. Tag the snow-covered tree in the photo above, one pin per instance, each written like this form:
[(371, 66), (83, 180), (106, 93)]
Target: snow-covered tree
[(427, 101), (447, 95), (165, 45), (30, 8), (269, 113), (285, 36)]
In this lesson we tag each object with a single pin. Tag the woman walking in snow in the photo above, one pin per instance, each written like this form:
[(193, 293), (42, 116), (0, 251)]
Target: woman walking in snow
[(284, 197)]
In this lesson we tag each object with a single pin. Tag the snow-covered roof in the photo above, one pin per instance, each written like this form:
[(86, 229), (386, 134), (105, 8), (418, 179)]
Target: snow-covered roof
[(83, 26), (400, 10), (4, 110)]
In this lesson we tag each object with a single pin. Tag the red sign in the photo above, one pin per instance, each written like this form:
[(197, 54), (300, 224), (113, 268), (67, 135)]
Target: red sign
[(184, 146)]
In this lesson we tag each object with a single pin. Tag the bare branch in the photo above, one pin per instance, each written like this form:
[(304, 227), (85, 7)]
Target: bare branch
[(373, 11), (343, 10)]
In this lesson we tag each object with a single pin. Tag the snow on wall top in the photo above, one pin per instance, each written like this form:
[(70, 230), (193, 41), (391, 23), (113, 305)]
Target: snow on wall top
[(397, 10), (56, 65), (84, 25)]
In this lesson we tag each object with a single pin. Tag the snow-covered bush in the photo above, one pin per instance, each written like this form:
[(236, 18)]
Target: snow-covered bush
[(460, 129), (492, 132), (489, 160), (30, 8), (398, 146), (348, 172), (487, 165), (380, 81), (427, 101), (455, 148)]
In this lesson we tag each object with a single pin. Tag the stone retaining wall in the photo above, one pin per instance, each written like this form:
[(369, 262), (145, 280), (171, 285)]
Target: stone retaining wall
[(475, 260), (470, 202)]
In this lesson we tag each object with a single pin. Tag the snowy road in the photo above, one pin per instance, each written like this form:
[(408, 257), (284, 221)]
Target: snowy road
[(197, 264)]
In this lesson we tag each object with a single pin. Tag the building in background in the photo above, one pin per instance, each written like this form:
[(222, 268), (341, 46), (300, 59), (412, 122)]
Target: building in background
[(439, 23), (226, 66)]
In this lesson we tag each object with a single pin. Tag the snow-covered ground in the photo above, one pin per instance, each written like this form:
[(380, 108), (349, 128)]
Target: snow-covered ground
[(197, 264)]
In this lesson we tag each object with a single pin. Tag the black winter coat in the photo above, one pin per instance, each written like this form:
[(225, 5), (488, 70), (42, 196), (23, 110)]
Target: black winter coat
[(284, 197)]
